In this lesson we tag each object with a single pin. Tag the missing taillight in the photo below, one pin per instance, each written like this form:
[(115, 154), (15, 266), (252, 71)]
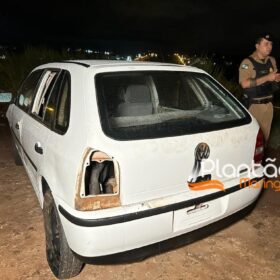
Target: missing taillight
[(100, 178), (98, 182)]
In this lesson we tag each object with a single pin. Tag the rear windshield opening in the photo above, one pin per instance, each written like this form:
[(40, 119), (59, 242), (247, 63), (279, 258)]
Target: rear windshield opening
[(153, 104)]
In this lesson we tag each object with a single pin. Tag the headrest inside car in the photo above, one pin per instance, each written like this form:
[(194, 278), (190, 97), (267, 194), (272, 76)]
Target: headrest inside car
[(137, 94)]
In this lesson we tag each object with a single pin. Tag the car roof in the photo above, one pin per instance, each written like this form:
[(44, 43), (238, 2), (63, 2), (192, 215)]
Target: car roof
[(97, 64)]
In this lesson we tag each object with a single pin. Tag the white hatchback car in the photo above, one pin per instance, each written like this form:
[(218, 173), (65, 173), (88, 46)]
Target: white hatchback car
[(119, 155)]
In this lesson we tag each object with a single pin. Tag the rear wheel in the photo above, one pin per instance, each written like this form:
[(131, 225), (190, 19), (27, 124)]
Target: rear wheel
[(62, 261)]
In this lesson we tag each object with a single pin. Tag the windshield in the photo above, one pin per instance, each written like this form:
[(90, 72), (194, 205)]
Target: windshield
[(153, 104)]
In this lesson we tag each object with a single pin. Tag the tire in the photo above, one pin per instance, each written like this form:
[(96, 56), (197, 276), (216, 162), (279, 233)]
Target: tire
[(62, 261), (17, 158)]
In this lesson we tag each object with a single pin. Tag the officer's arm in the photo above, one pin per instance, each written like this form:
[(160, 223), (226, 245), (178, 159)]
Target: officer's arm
[(247, 75), (274, 64), (251, 82)]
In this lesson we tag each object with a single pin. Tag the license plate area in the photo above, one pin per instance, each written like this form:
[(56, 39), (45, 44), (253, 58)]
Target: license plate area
[(192, 216)]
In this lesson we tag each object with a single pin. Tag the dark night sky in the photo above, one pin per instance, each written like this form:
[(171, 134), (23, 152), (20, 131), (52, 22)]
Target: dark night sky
[(227, 27)]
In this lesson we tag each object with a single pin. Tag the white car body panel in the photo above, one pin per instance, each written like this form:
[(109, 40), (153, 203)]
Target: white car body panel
[(131, 235), (153, 172)]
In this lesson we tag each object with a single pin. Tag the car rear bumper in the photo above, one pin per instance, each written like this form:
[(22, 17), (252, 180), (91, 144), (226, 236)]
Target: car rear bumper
[(169, 244), (114, 234)]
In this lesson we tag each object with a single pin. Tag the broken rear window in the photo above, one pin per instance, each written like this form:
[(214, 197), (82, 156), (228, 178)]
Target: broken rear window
[(152, 104)]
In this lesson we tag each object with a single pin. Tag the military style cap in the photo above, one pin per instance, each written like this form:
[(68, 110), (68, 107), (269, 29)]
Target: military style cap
[(267, 36)]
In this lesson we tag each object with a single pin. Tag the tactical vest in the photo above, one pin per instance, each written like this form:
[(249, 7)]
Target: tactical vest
[(265, 89)]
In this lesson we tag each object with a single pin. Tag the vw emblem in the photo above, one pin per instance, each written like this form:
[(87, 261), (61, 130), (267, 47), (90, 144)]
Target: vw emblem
[(202, 151)]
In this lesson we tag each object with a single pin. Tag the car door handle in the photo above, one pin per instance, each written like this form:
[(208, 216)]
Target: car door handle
[(38, 148), (17, 126)]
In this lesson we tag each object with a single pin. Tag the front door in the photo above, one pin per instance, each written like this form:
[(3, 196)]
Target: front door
[(21, 109)]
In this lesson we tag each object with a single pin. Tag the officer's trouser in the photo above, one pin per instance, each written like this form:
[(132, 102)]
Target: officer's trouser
[(263, 114)]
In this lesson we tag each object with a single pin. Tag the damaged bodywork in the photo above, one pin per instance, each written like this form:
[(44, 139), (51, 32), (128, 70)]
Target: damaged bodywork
[(97, 182)]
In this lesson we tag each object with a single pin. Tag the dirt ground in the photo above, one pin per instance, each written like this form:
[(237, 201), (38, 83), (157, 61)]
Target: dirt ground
[(249, 249)]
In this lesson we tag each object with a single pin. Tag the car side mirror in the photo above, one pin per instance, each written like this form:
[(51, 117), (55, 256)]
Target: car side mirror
[(5, 97)]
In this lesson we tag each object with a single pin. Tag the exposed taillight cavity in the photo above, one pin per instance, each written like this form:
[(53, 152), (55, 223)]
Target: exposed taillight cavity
[(259, 149), (98, 182), (100, 175)]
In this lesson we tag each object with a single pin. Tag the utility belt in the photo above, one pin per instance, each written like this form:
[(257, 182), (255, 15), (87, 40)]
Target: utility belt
[(246, 101), (261, 100)]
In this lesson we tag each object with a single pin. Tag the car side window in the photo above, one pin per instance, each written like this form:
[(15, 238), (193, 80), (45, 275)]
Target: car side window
[(28, 90), (44, 92), (51, 106), (52, 102), (63, 105)]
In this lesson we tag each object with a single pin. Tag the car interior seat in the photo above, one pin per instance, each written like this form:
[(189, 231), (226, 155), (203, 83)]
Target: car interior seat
[(136, 101)]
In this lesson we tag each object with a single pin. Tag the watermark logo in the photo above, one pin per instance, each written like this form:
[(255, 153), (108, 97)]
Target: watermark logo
[(256, 184), (210, 168), (202, 151), (206, 185), (199, 183), (229, 170)]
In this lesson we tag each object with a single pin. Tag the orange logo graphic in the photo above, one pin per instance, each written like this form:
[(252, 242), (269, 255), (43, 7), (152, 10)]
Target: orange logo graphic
[(256, 184), (206, 185)]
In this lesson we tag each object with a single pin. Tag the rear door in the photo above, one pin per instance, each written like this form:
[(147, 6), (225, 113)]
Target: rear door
[(38, 125)]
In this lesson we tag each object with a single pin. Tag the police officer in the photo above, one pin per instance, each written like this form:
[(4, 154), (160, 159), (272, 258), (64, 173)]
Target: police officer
[(257, 76)]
